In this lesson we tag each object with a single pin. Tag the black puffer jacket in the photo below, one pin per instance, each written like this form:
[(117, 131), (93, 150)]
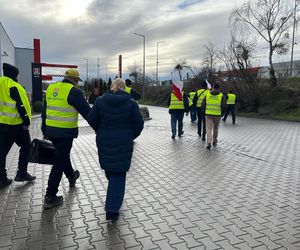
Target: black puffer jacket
[(117, 121)]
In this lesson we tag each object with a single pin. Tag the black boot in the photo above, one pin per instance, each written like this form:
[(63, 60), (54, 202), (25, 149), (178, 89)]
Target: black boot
[(72, 181), (5, 182), (52, 201), (24, 177)]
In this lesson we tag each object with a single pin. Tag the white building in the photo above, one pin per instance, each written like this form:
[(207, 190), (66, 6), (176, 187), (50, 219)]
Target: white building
[(19, 57)]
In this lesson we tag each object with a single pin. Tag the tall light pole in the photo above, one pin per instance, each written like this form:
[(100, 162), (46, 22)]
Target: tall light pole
[(98, 69), (157, 60), (106, 72), (144, 79), (87, 73), (293, 40)]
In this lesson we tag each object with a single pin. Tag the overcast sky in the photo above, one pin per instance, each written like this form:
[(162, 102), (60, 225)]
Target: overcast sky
[(73, 29)]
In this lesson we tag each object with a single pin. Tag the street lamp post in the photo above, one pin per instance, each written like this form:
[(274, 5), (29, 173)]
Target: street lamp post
[(98, 68), (157, 60), (144, 80), (87, 73)]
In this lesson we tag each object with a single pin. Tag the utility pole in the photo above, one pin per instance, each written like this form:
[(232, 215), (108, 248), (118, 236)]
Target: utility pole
[(144, 62)]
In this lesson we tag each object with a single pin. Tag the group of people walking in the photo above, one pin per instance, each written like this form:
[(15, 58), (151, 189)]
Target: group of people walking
[(115, 117), (207, 105)]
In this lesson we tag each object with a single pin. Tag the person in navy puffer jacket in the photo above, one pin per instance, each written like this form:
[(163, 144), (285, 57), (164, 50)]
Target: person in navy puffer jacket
[(117, 121)]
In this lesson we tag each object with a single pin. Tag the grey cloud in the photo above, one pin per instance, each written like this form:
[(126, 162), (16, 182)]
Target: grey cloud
[(107, 31)]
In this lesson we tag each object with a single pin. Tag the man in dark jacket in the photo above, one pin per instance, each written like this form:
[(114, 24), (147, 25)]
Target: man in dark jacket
[(117, 121), (62, 104), (197, 101), (15, 118), (130, 90)]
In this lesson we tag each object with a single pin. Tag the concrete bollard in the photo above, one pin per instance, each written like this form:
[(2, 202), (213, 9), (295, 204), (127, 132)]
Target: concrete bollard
[(145, 113)]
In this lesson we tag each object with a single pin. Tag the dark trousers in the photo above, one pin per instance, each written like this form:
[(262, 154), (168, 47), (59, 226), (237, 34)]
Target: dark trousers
[(230, 109), (201, 122), (7, 138), (177, 117), (115, 190), (62, 164), (193, 114)]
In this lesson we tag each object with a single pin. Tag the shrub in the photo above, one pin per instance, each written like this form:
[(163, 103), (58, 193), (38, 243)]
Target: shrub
[(37, 107)]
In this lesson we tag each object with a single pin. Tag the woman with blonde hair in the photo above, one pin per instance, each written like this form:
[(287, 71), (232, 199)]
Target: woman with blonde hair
[(117, 121), (118, 84)]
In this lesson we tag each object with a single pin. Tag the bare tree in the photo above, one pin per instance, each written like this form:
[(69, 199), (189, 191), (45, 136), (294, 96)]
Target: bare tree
[(210, 56), (181, 64), (135, 71), (271, 19)]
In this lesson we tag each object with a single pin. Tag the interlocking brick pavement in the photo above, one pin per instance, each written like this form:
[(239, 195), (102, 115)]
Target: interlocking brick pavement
[(242, 194)]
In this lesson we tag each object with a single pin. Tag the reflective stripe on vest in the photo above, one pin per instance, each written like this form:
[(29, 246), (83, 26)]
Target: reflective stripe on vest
[(213, 104), (231, 98), (7, 104), (201, 93), (59, 113), (175, 103), (9, 113), (128, 90)]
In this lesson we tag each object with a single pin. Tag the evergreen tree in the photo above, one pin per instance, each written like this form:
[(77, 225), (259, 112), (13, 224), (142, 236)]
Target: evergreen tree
[(109, 83)]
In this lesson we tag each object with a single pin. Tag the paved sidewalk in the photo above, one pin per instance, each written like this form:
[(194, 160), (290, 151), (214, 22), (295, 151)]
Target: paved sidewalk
[(242, 194)]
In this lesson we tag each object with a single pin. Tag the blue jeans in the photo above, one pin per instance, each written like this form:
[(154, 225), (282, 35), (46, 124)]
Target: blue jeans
[(230, 109), (193, 114), (115, 191), (201, 122), (174, 118)]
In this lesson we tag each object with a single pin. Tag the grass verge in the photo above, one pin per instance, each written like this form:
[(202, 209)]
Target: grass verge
[(291, 115)]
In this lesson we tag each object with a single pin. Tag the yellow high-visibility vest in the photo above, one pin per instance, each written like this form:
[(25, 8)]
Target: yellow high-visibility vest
[(8, 109), (175, 103), (128, 90), (201, 93), (189, 100), (192, 94), (231, 98), (213, 104), (59, 113)]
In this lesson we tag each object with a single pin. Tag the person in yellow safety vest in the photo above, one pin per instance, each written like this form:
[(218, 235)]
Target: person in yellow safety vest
[(213, 105), (130, 90), (193, 108), (15, 118), (230, 106), (197, 101), (64, 100), (177, 108)]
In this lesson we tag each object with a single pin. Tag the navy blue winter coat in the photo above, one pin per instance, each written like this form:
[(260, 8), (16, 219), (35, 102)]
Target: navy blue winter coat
[(117, 121)]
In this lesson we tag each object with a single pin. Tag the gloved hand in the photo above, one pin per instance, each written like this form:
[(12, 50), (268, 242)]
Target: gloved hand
[(25, 127)]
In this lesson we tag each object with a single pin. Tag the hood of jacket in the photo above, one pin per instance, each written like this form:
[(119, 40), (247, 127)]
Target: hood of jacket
[(116, 99), (215, 92)]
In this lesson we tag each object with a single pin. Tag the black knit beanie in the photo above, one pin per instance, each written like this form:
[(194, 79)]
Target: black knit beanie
[(128, 82), (10, 71)]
